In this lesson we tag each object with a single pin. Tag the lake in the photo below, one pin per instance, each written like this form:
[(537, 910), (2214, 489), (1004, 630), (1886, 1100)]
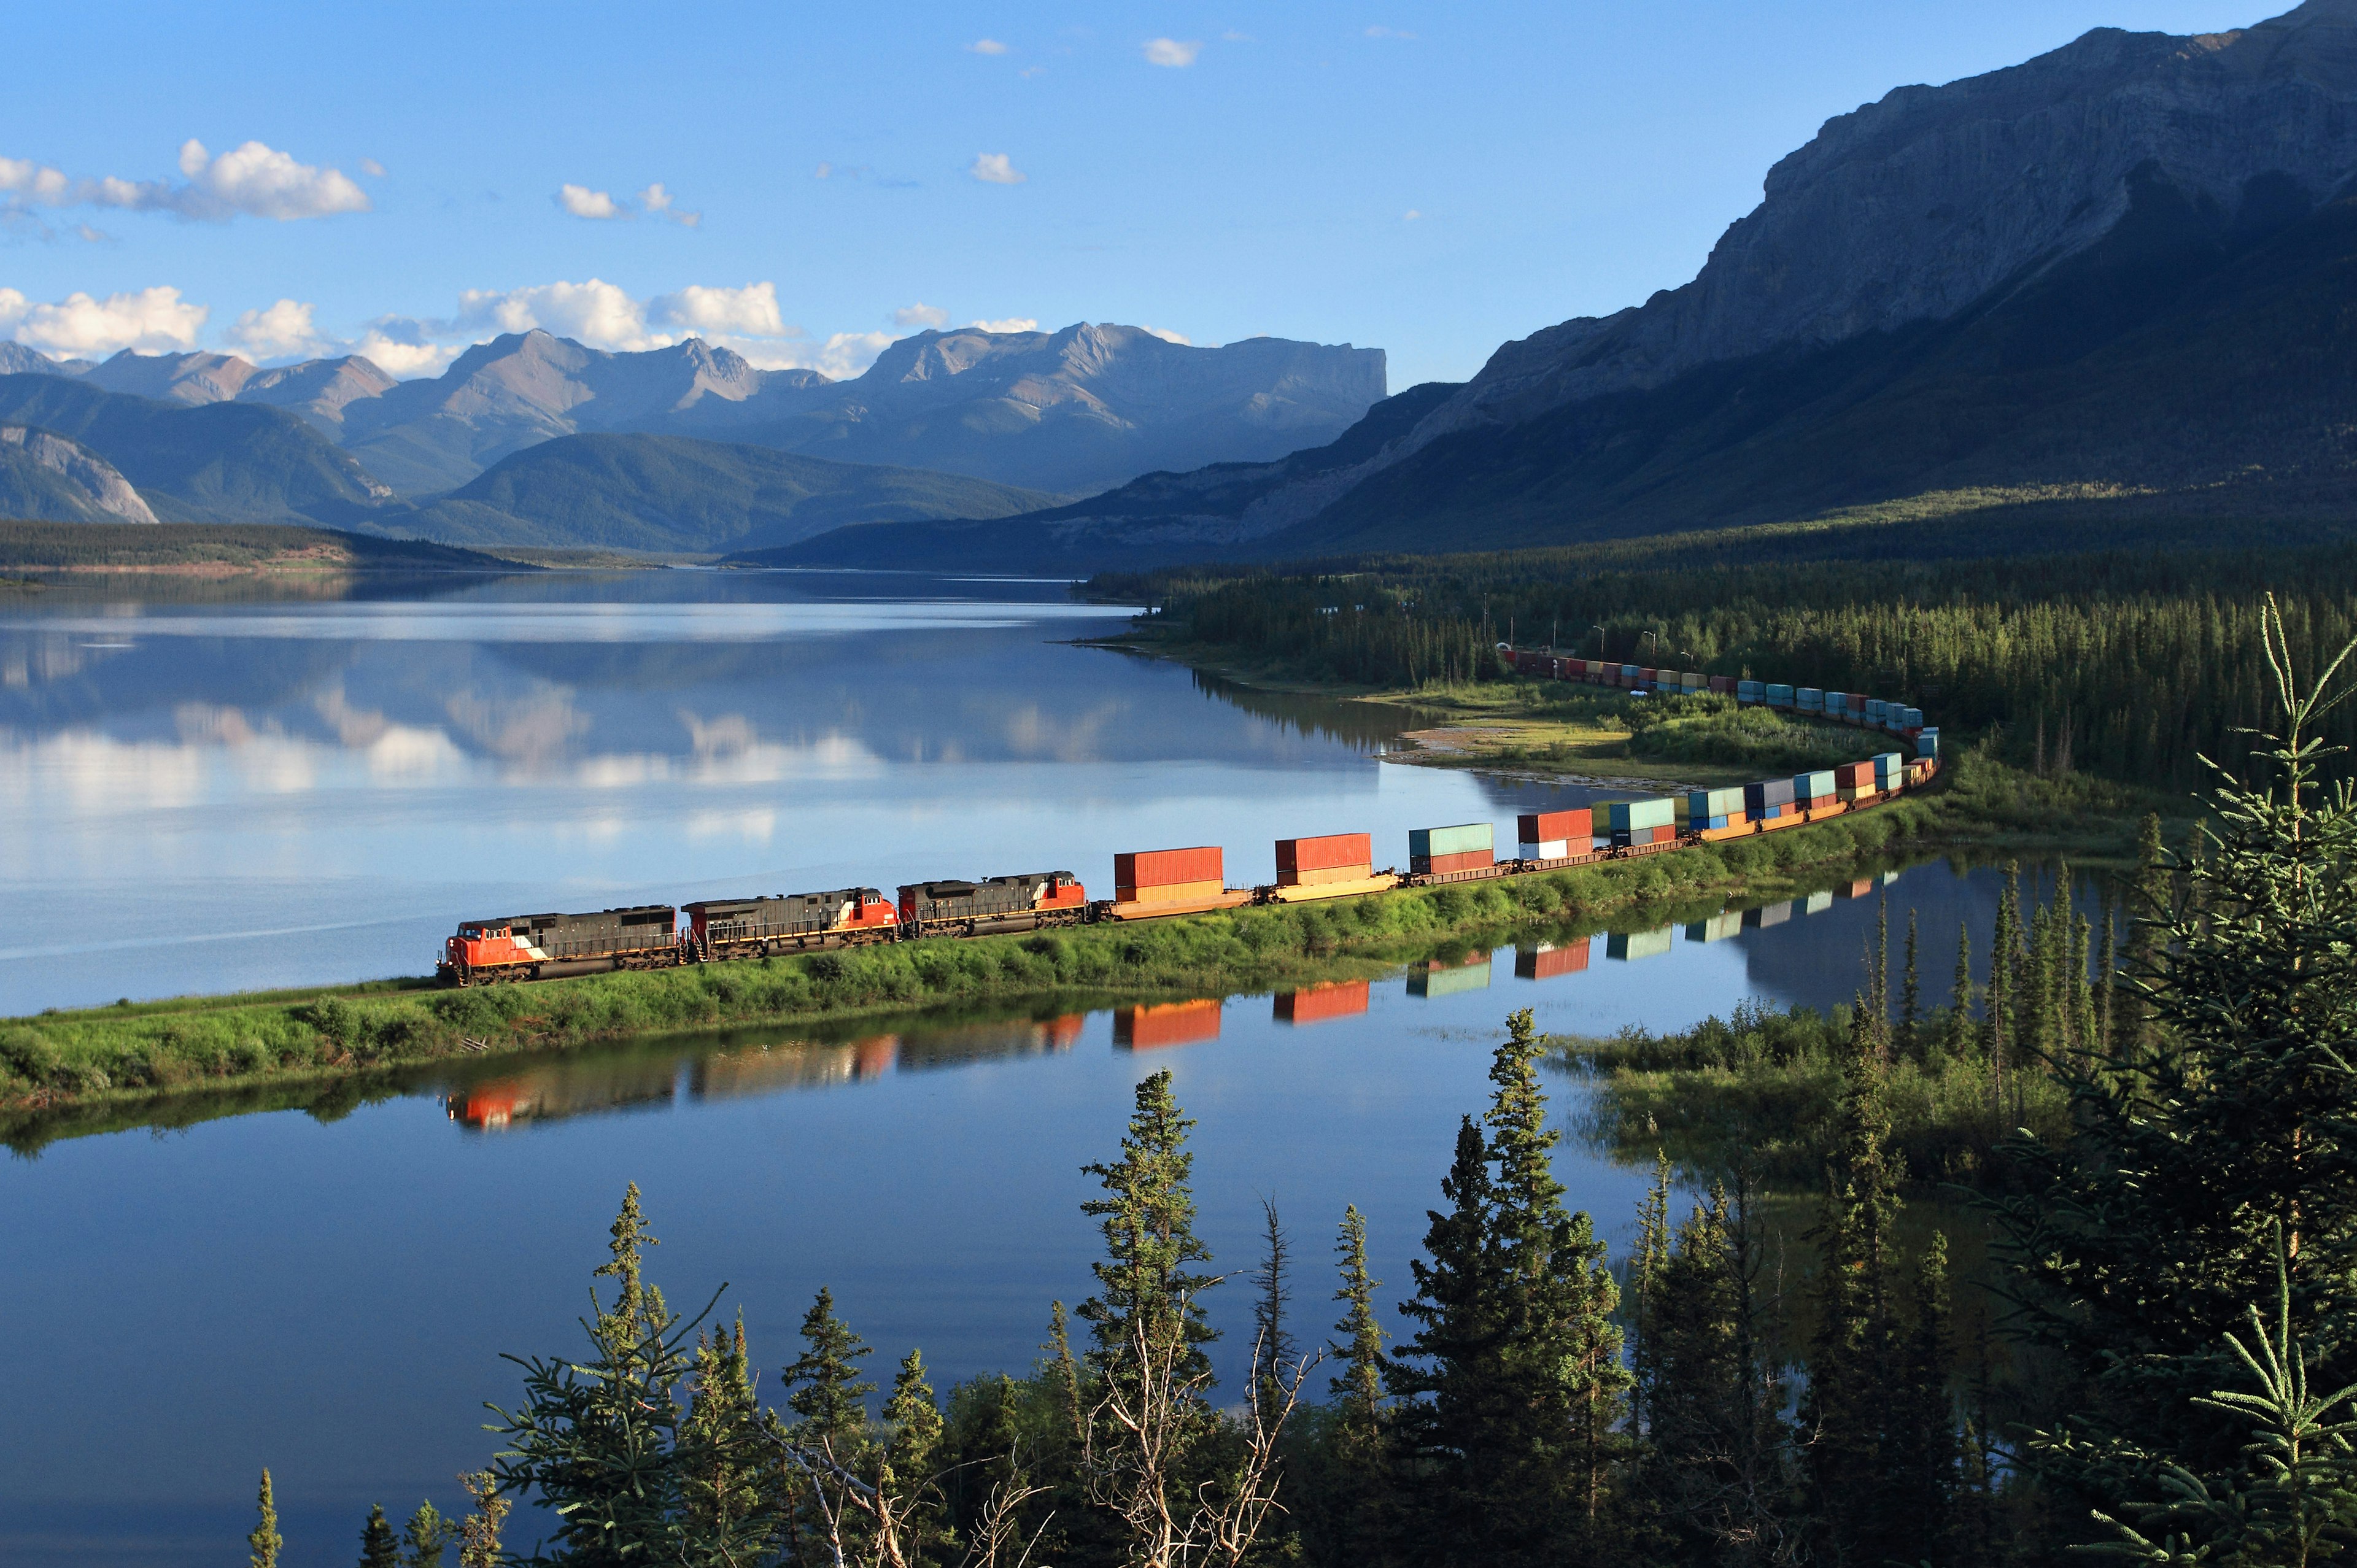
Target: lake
[(217, 787)]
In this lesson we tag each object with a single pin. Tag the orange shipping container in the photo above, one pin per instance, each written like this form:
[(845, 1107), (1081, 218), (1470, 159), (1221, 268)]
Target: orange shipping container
[(1325, 854), (1545, 827), (1163, 867), (1341, 999), (1169, 893), (1324, 877), (1167, 1024)]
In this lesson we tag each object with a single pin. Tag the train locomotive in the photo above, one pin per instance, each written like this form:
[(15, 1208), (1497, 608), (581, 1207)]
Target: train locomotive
[(1162, 883)]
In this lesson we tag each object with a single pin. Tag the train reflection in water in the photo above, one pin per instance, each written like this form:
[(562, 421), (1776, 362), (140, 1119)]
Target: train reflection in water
[(580, 1086)]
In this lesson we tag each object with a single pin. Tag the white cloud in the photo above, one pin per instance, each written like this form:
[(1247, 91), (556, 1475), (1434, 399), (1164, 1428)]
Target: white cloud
[(751, 310), (995, 168), (920, 315), (1380, 31), (1410, 216), (156, 319), (1167, 337), (251, 180), (986, 46), (1008, 324), (396, 350), (283, 330), (657, 202), (1173, 52), (371, 168), (596, 313), (1239, 38), (583, 202)]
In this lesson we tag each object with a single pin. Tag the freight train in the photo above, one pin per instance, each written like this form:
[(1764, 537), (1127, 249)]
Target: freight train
[(1158, 884)]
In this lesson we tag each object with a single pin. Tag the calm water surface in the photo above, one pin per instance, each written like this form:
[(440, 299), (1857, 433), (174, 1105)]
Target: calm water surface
[(207, 795)]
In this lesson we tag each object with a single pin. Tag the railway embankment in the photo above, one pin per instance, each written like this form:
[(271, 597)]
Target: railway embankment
[(61, 1062)]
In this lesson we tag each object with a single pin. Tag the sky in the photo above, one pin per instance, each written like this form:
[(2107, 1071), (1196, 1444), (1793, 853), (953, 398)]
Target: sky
[(805, 182)]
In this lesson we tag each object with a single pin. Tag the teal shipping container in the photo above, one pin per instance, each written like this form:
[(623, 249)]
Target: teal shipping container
[(1809, 699), (1927, 743), (1874, 706), (1887, 766), (1813, 786), (1449, 981), (1717, 928), (1630, 816), (1627, 945), (1470, 838), (1779, 696), (1705, 803), (1838, 705), (1748, 690)]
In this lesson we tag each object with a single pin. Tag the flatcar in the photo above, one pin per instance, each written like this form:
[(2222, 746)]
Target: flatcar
[(545, 947), (1020, 903), (788, 922)]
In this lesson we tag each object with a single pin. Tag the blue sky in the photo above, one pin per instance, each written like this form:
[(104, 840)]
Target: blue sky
[(1431, 180)]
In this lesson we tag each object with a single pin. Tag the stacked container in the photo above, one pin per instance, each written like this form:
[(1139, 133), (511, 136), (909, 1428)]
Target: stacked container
[(1467, 847), (1874, 708), (1553, 836), (1854, 780), (1927, 743), (1635, 822), (1914, 719), (1170, 876), (1889, 770), (1778, 695), (1548, 959), (1626, 945), (1749, 691), (1814, 788), (1693, 680), (1769, 801), (1809, 699), (1723, 684), (1708, 809), (1629, 675), (1315, 862), (1717, 928)]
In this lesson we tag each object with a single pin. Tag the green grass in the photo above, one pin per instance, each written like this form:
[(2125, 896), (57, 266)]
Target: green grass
[(64, 546), (125, 1053)]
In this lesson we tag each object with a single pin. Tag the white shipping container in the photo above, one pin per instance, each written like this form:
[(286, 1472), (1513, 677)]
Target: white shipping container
[(1552, 849)]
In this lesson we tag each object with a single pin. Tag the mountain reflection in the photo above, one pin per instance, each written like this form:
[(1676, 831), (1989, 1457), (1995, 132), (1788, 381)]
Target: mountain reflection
[(602, 681)]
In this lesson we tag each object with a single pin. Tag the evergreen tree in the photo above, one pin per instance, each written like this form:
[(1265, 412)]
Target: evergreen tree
[(1357, 1387), (823, 1384), (1509, 1428), (1960, 998), (2149, 911), (1921, 1454), (379, 1548), (266, 1541), (1911, 1043), (2133, 1245), (721, 1448), (425, 1535), (1853, 1364), (912, 1442), (1720, 1470), (2001, 1000)]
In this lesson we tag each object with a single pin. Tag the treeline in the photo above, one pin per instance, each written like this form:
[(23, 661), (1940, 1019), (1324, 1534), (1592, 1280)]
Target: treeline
[(2130, 665), (2179, 1261)]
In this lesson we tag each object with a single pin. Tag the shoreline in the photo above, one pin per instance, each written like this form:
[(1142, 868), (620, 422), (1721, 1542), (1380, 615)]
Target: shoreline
[(65, 1065)]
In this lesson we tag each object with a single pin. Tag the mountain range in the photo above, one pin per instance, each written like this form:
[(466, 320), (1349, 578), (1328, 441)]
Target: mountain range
[(2118, 273), (1064, 413)]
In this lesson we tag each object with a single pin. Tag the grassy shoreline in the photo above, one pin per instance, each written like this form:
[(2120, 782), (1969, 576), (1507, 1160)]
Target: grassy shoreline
[(129, 1055)]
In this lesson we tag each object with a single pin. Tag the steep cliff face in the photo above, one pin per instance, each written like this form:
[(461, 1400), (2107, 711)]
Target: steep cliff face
[(45, 478), (1919, 206)]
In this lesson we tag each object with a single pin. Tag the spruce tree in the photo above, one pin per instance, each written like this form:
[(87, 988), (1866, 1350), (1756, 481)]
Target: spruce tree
[(2135, 1245), (1910, 1002), (1921, 1454), (379, 1548), (721, 1448), (424, 1536), (912, 1442), (479, 1533), (1960, 998), (822, 1385), (1347, 1523), (266, 1541)]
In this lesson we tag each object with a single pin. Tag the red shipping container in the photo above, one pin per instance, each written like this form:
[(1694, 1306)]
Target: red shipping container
[(1167, 1024), (1062, 1034), (1544, 827), (1471, 860), (1856, 775), (1340, 999), (1722, 683), (1325, 854), (1548, 962), (1161, 867)]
